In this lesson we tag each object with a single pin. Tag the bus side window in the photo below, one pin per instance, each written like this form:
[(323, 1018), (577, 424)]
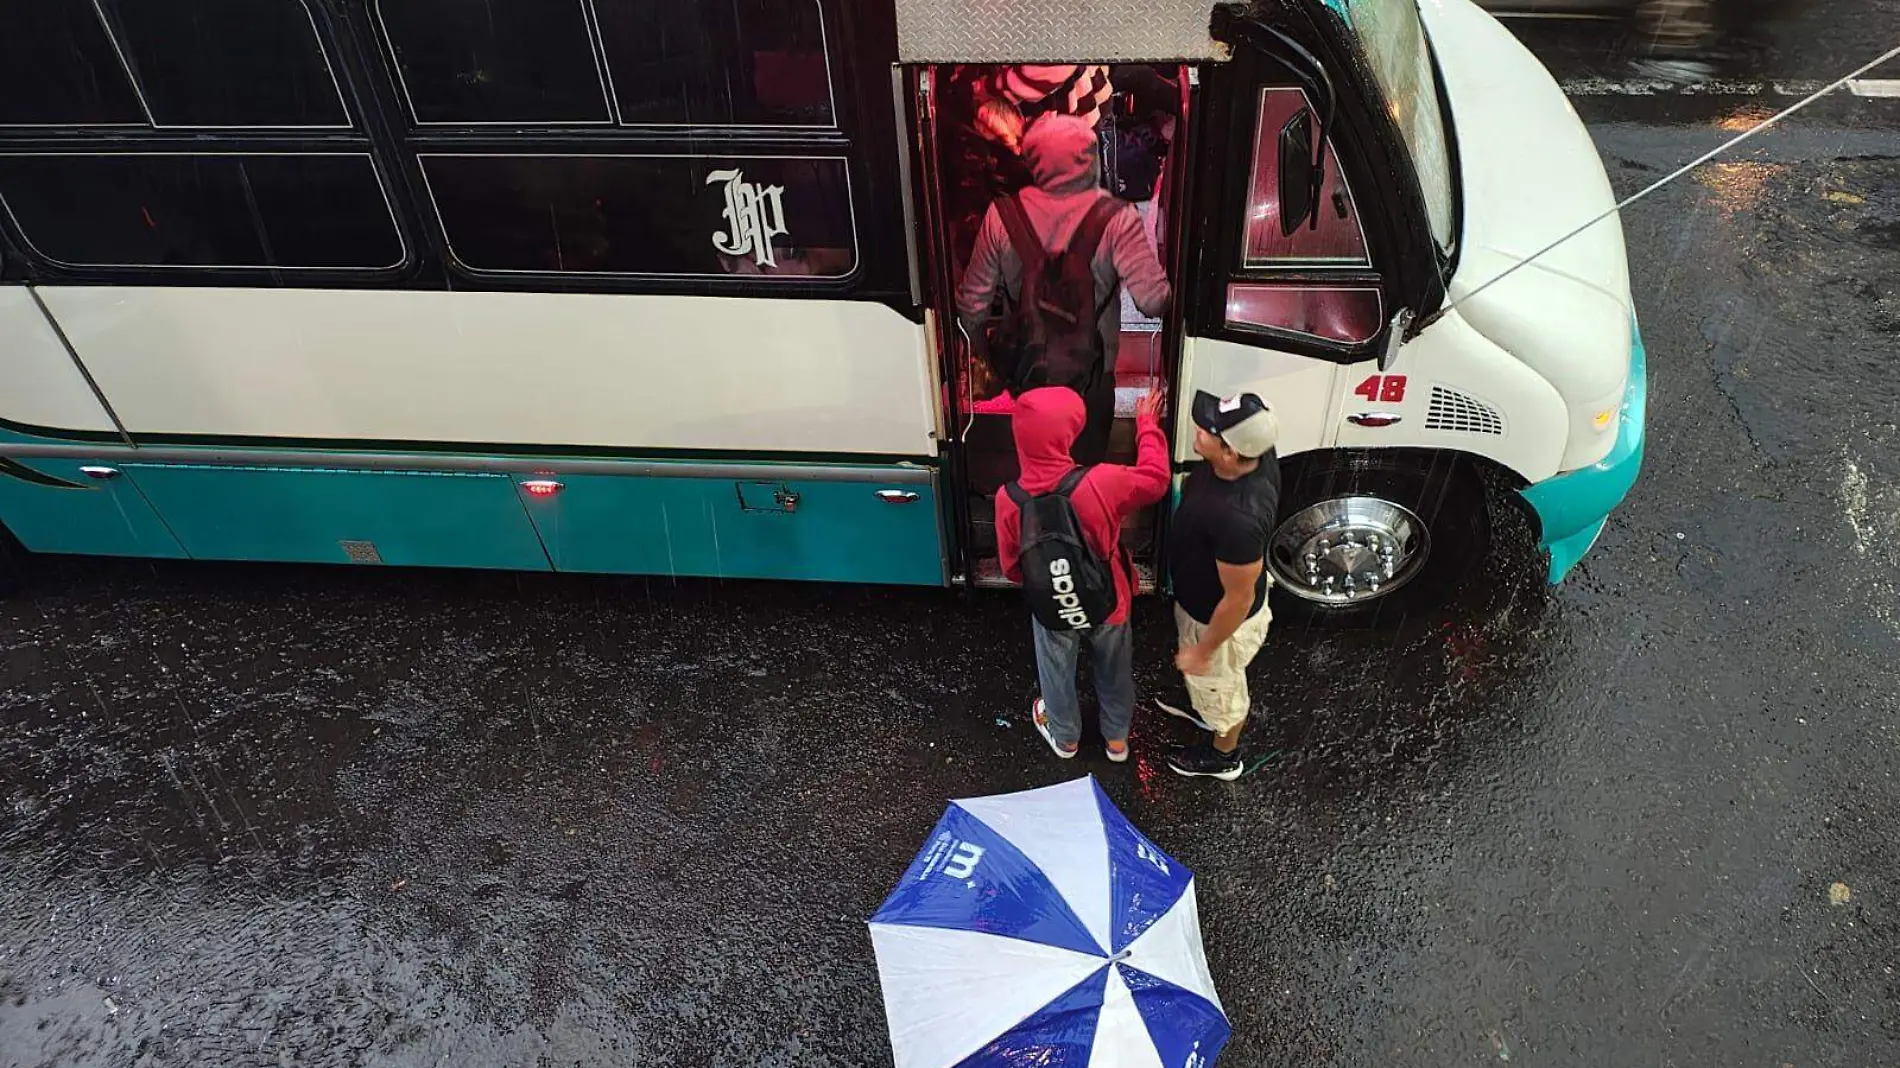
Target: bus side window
[(215, 211), (663, 62), (718, 62), (165, 64), (656, 215), (223, 63), (58, 68), (497, 61), (1349, 311)]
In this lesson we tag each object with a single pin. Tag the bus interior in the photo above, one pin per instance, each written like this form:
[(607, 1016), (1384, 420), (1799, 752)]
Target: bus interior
[(969, 134)]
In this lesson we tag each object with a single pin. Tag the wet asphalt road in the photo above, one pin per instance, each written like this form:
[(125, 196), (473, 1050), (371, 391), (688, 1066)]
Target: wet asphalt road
[(271, 816)]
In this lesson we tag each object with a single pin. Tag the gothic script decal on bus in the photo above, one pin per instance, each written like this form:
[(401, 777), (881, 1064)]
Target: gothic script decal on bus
[(755, 214)]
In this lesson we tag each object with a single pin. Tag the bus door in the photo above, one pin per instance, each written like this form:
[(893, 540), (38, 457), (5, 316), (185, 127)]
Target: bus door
[(968, 130), (1288, 286)]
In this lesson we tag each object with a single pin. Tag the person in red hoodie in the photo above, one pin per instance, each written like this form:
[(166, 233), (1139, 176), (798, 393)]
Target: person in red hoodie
[(1046, 424)]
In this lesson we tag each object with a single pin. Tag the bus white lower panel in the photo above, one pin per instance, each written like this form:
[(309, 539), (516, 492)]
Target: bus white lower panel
[(39, 384), (631, 371)]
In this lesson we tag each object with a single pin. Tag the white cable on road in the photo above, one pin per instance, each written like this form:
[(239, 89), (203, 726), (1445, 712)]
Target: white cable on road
[(1764, 124)]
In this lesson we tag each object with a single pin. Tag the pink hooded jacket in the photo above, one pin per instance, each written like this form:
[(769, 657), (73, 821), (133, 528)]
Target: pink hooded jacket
[(1046, 424)]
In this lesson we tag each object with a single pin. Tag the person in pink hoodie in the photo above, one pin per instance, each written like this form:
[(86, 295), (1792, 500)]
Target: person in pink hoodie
[(1062, 153), (1047, 422)]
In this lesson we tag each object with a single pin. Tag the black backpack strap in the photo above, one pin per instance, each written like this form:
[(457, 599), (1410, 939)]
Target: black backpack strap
[(1065, 487), (1088, 234), (1022, 236)]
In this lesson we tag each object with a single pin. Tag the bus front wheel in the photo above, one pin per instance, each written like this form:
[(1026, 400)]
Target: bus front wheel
[(1361, 533)]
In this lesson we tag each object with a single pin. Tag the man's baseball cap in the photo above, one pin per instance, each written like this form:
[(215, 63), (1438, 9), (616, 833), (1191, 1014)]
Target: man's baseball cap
[(1243, 421)]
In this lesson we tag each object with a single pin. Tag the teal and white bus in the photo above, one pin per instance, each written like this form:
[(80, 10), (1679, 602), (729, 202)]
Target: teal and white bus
[(624, 286)]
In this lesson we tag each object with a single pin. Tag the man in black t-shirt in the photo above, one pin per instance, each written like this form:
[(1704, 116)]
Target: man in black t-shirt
[(1217, 561)]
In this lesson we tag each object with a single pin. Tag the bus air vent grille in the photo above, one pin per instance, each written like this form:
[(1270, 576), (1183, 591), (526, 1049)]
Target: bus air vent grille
[(1462, 413)]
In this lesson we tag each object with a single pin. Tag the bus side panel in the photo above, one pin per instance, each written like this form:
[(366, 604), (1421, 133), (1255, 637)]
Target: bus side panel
[(323, 516), (53, 506), (734, 375), (1459, 391), (39, 384), (763, 527)]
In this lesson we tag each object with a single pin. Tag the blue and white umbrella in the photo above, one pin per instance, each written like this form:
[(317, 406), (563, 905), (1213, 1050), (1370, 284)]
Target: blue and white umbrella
[(1042, 929)]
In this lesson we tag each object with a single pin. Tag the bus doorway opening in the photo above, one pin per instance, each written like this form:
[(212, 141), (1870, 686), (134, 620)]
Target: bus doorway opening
[(976, 118)]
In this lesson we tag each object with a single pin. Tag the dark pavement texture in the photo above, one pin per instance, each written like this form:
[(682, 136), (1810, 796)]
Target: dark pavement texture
[(275, 816)]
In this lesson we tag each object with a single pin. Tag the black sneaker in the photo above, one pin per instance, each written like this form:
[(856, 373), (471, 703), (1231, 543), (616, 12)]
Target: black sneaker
[(1180, 708), (1205, 760)]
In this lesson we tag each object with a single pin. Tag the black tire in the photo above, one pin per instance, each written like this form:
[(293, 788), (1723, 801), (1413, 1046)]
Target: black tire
[(1443, 490)]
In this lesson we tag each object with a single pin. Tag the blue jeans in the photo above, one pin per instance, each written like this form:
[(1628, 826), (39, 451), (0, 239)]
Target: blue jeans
[(1112, 651)]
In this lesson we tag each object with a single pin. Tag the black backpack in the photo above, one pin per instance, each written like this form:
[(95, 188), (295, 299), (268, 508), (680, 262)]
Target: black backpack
[(1068, 586), (1137, 156), (1049, 336)]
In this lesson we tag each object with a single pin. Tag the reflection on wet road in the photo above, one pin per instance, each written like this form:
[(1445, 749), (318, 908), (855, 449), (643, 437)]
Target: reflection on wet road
[(272, 816)]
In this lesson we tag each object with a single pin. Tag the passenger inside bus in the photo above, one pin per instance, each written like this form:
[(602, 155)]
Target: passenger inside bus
[(1075, 316), (984, 114)]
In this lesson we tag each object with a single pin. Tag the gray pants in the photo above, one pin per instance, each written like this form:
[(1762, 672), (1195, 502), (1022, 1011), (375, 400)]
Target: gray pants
[(1112, 651)]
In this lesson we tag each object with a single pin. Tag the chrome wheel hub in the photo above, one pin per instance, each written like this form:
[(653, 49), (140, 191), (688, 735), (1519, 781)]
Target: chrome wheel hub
[(1348, 549)]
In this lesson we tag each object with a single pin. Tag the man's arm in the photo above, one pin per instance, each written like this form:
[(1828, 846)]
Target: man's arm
[(977, 291), (1237, 583), (1135, 261)]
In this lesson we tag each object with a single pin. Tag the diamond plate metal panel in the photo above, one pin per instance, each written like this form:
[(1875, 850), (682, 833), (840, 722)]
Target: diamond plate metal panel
[(1054, 31)]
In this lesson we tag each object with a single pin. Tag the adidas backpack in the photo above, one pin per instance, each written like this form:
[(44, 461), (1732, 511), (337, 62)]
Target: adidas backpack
[(1069, 587)]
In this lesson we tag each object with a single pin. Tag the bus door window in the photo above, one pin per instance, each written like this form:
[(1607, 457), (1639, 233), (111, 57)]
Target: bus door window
[(1301, 276)]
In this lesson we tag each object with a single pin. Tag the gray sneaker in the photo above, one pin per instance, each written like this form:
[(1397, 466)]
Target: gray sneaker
[(1039, 715)]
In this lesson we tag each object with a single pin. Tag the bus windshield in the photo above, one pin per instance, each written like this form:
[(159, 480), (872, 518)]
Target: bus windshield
[(1395, 49)]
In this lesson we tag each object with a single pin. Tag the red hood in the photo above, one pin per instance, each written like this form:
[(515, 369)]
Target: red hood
[(1061, 151), (1046, 424)]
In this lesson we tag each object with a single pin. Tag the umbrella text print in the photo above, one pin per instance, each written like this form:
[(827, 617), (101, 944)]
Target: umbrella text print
[(953, 858)]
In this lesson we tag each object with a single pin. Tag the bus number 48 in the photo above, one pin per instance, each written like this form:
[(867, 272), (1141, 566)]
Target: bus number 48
[(1387, 388)]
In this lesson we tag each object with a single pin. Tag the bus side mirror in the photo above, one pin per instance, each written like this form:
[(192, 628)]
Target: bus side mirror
[(1397, 333), (1302, 173)]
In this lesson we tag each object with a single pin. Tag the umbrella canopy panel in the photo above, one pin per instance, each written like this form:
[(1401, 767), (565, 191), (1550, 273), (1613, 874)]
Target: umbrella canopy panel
[(1042, 927)]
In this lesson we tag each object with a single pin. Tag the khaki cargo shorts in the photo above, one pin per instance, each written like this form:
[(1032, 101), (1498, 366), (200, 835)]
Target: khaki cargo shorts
[(1220, 696)]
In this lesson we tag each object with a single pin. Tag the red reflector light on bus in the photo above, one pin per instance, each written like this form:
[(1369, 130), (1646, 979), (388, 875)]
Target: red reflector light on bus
[(541, 487)]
